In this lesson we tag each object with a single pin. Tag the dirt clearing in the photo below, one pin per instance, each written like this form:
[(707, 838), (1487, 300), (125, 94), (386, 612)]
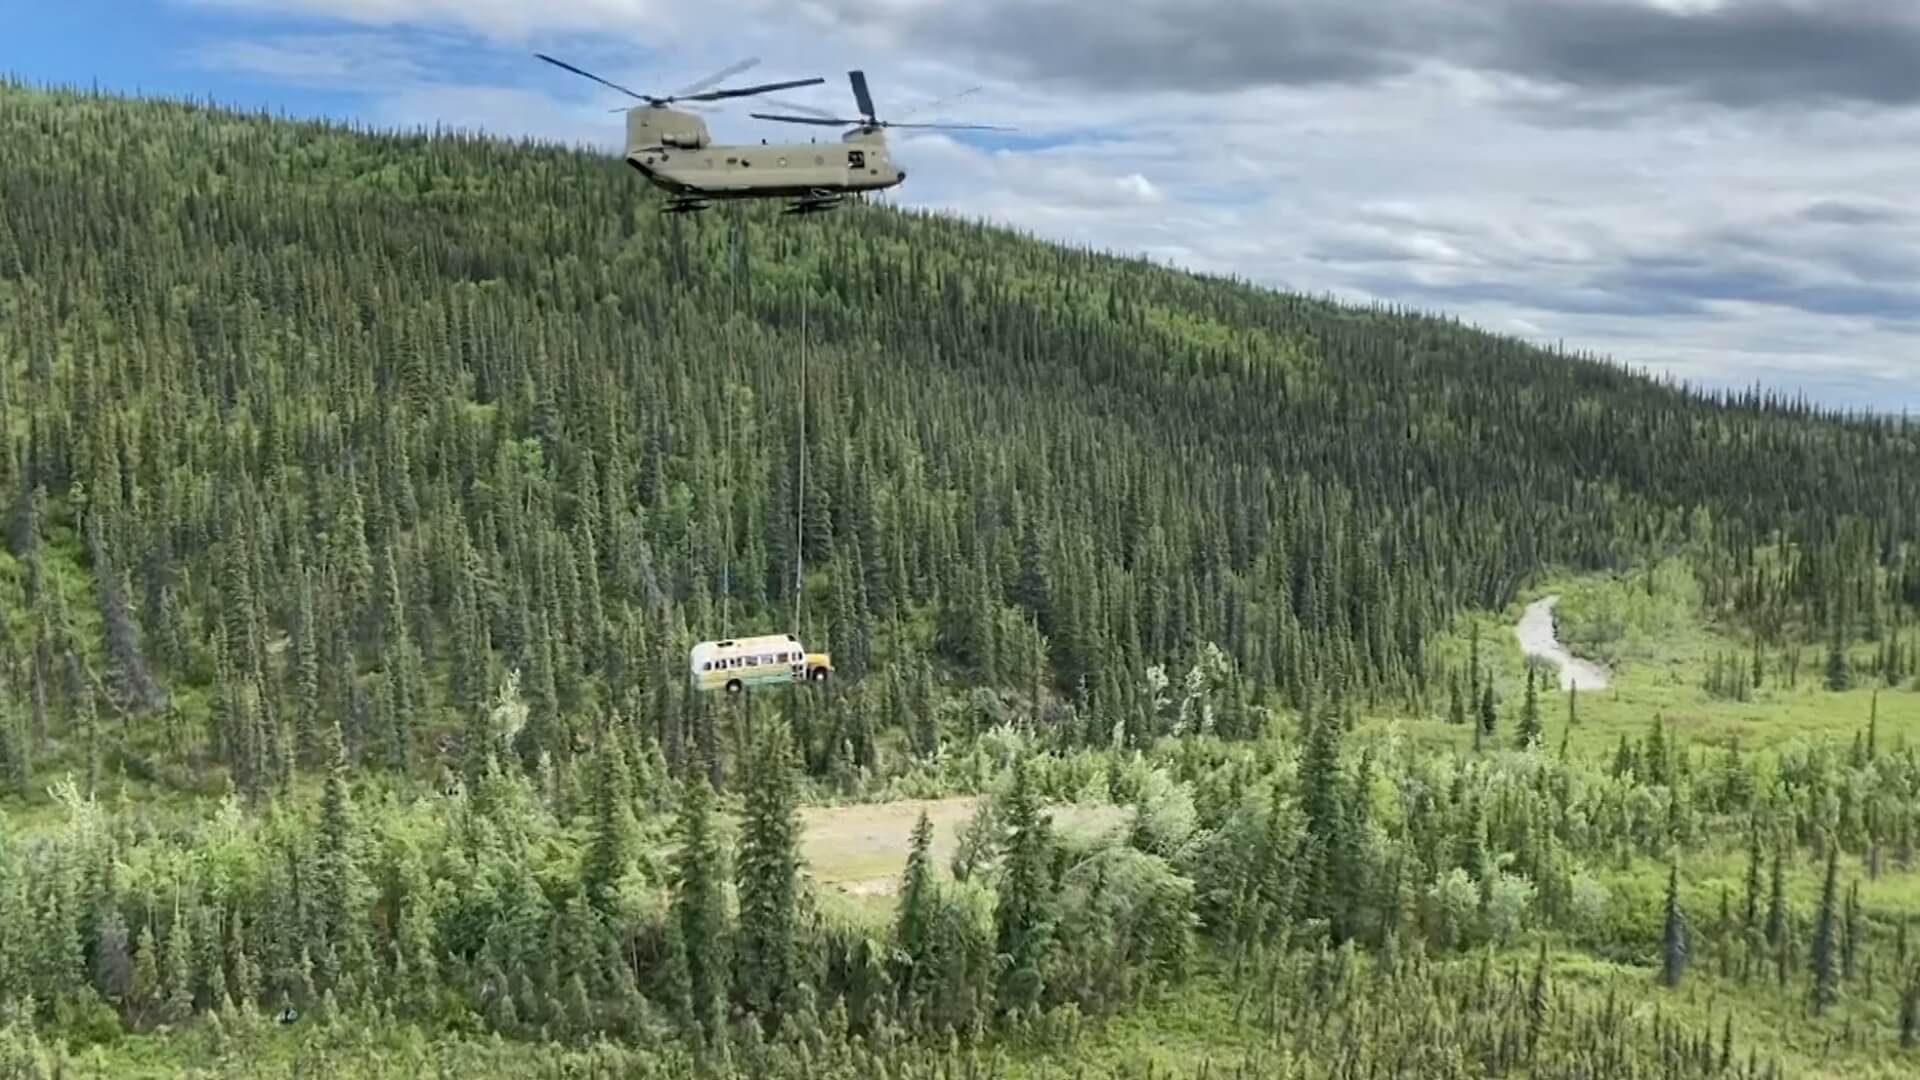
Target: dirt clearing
[(862, 850)]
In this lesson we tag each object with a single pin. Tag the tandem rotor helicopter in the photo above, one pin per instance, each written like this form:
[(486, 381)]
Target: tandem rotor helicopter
[(674, 151)]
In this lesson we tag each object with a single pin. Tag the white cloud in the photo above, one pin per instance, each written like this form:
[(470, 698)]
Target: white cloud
[(1717, 243), (499, 19), (336, 61)]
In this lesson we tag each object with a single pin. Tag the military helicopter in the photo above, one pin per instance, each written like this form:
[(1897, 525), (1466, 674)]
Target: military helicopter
[(675, 152)]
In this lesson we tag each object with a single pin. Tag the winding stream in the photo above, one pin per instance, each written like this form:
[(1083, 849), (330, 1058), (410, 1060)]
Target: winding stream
[(1535, 631)]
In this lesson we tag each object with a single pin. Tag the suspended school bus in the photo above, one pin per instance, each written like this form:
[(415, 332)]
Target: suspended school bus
[(768, 660)]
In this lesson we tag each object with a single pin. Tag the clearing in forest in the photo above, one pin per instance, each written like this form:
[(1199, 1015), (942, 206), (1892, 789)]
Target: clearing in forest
[(861, 850)]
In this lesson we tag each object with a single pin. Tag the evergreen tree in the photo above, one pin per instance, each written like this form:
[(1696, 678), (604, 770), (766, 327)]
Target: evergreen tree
[(1023, 916), (1910, 1012), (914, 915), (1529, 734), (1850, 933), (768, 875), (610, 846), (1825, 960), (1777, 901), (341, 884), (1323, 801), (1676, 950), (1838, 675), (1873, 727), (699, 910)]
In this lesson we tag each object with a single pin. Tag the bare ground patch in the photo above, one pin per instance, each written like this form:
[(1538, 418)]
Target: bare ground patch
[(861, 850)]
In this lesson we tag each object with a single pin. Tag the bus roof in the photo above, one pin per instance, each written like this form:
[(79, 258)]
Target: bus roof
[(759, 642)]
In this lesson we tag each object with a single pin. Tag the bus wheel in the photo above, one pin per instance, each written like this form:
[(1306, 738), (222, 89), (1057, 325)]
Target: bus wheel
[(733, 686), (818, 674)]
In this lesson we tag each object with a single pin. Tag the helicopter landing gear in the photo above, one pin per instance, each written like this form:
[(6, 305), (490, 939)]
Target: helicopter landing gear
[(685, 206)]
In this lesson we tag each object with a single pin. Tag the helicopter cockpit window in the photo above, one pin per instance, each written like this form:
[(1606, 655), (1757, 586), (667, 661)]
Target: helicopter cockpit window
[(856, 159)]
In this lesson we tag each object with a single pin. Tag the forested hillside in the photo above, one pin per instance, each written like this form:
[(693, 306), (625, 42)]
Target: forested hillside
[(408, 468)]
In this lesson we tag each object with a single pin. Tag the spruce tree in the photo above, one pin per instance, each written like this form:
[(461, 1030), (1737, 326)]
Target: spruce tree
[(16, 746), (87, 724), (1850, 933), (146, 988), (699, 909), (1473, 677), (341, 883), (1777, 900), (1675, 951), (1910, 1011), (1825, 960), (1873, 727), (1024, 916), (914, 914), (1537, 1002), (768, 877), (1323, 800), (1529, 734), (1837, 673), (609, 846)]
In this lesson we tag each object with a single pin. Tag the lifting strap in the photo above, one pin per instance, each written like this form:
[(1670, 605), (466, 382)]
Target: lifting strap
[(800, 504)]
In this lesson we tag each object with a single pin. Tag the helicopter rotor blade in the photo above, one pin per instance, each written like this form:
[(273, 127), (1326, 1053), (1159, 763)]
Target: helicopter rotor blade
[(948, 127), (724, 73), (744, 91), (796, 107), (595, 78), (860, 95), (821, 121), (948, 100)]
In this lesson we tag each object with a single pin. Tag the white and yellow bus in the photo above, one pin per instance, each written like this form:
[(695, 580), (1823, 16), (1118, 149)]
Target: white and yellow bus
[(771, 659)]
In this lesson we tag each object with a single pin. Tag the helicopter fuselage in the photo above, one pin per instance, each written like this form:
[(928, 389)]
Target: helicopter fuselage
[(673, 151)]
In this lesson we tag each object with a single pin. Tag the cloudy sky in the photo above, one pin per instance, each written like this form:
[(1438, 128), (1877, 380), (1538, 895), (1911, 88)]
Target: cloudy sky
[(1724, 191)]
